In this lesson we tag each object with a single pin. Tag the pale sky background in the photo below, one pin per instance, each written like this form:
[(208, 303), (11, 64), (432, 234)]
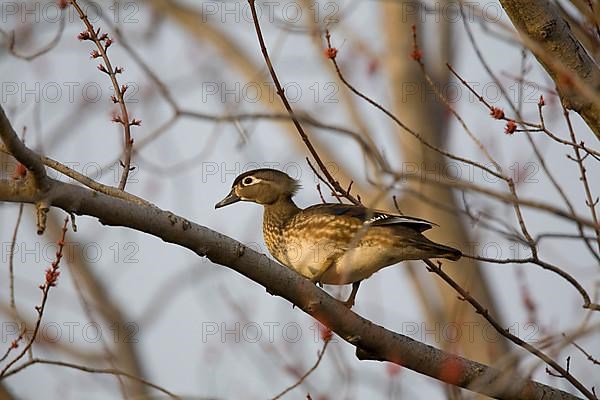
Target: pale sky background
[(138, 269)]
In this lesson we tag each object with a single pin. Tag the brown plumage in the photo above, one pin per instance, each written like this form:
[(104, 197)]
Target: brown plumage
[(332, 243)]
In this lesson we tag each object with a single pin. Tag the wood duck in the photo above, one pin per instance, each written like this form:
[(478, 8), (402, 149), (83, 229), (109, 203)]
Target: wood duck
[(333, 244)]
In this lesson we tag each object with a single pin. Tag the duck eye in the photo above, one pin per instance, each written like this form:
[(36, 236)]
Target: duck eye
[(247, 181)]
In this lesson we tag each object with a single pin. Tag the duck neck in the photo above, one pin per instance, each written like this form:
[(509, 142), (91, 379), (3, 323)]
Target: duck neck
[(279, 213)]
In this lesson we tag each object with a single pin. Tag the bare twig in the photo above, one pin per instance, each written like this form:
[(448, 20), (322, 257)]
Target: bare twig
[(303, 117), (11, 260), (51, 280), (590, 202), (465, 296), (333, 192), (92, 184), (320, 355), (84, 368), (417, 57), (332, 54), (587, 302), (43, 50), (585, 353), (288, 107), (102, 43)]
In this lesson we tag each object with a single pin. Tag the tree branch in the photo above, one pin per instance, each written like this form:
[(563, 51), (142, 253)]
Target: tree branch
[(24, 155), (281, 281)]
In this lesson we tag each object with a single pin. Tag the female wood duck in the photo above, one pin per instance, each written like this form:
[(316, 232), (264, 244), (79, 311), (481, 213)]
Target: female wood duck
[(332, 243)]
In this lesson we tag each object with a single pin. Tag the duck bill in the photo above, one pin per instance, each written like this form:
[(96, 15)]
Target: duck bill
[(229, 199)]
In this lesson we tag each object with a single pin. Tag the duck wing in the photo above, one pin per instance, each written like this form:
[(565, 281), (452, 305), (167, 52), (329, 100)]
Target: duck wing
[(370, 216)]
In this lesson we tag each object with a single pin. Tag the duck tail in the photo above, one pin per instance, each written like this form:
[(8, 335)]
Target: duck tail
[(450, 253), (436, 250)]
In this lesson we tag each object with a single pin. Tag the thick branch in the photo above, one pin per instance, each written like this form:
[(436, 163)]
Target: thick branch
[(377, 341), (24, 155), (555, 46)]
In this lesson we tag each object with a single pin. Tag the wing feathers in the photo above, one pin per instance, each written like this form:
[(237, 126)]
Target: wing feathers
[(372, 217)]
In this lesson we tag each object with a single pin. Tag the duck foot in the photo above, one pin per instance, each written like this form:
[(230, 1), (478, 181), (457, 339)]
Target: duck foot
[(350, 302)]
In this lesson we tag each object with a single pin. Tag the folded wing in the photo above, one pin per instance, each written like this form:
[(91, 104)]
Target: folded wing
[(372, 217)]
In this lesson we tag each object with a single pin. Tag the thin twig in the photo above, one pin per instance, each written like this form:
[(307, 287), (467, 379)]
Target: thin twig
[(84, 368), (304, 117), (87, 309), (585, 353), (11, 253), (51, 280), (443, 98), (92, 184), (288, 107), (504, 197), (480, 309), (19, 174), (43, 50), (322, 179), (102, 44), (320, 355), (590, 202), (333, 52), (587, 302)]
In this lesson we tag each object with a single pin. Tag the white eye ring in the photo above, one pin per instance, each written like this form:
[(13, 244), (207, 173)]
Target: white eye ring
[(249, 180)]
